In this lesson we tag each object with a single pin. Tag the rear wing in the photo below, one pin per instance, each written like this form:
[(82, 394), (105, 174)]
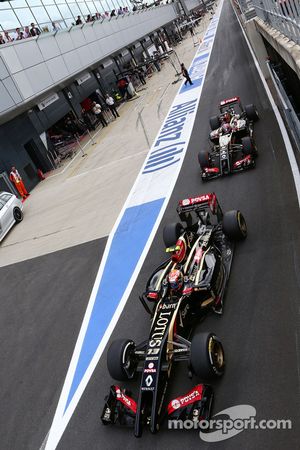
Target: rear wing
[(228, 101), (203, 202), (203, 206)]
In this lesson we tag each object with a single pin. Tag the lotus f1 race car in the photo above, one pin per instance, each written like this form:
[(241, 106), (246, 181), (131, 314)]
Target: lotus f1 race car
[(178, 296), (234, 148)]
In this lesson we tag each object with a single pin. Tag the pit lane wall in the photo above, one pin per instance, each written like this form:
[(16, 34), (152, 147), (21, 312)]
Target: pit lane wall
[(256, 28), (259, 32), (287, 49), (132, 235)]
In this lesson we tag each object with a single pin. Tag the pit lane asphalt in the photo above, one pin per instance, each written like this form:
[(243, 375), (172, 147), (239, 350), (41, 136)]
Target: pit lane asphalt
[(260, 325), (42, 304)]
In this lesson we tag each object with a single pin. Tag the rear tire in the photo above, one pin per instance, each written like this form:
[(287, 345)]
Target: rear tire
[(203, 159), (234, 225), (207, 356), (171, 233), (214, 122), (120, 356), (251, 112), (18, 215)]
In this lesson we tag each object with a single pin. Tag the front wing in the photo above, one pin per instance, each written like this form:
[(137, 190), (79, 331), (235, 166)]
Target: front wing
[(121, 409)]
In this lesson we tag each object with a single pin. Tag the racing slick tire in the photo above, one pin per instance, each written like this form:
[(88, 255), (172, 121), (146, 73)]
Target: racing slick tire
[(214, 122), (248, 146), (207, 358), (171, 233), (203, 159), (234, 225), (251, 112), (18, 215), (120, 360)]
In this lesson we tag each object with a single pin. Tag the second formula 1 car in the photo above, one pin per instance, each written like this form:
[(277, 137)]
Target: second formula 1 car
[(181, 291), (234, 147)]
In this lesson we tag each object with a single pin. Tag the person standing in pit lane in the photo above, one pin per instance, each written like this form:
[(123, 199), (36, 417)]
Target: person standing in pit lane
[(111, 104), (16, 179), (185, 73)]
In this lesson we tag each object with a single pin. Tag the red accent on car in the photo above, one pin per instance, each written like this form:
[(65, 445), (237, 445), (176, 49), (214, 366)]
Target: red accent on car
[(212, 170), (175, 279), (213, 204), (187, 291), (153, 295), (179, 255), (192, 396), (198, 255), (229, 100), (242, 162), (218, 299), (127, 401)]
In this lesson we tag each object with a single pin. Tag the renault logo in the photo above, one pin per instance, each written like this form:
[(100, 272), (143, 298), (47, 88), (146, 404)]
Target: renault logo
[(149, 380)]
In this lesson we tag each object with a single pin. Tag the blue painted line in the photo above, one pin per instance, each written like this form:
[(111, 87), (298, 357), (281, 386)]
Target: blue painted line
[(128, 243)]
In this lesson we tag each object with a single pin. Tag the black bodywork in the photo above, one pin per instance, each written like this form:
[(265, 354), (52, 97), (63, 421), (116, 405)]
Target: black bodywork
[(206, 267), (233, 149)]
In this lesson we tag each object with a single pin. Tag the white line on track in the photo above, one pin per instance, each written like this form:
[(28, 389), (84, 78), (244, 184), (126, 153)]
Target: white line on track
[(284, 133), (112, 163)]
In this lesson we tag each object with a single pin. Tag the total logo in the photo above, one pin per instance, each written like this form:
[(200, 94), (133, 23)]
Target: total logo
[(150, 368)]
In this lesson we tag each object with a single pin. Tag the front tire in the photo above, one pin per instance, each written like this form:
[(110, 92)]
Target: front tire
[(207, 356), (251, 112), (120, 360), (18, 215), (203, 159), (248, 146), (234, 225), (214, 122), (171, 233)]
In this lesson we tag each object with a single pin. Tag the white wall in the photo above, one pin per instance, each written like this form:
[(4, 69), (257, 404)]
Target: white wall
[(35, 66)]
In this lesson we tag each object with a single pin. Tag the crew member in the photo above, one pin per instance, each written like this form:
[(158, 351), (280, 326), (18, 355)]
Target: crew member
[(16, 179)]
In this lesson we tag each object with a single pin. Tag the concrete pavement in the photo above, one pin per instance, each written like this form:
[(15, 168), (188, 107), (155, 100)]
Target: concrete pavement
[(80, 202)]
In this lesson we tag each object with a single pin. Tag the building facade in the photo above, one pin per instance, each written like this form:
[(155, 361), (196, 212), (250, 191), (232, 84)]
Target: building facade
[(21, 13), (48, 79)]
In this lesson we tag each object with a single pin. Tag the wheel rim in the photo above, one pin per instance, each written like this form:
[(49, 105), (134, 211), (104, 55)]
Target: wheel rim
[(127, 358), (217, 354), (242, 224), (18, 214)]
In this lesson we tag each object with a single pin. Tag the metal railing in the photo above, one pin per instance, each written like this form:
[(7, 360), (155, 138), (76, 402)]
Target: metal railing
[(283, 15), (289, 114)]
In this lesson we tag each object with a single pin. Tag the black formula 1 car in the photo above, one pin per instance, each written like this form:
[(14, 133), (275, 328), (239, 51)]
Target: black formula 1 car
[(181, 291), (233, 148)]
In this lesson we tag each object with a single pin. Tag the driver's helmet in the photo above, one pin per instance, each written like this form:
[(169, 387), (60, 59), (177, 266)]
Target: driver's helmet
[(226, 128), (175, 279), (226, 117)]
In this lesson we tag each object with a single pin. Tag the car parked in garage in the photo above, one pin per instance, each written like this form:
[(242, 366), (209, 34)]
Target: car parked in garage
[(11, 212)]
